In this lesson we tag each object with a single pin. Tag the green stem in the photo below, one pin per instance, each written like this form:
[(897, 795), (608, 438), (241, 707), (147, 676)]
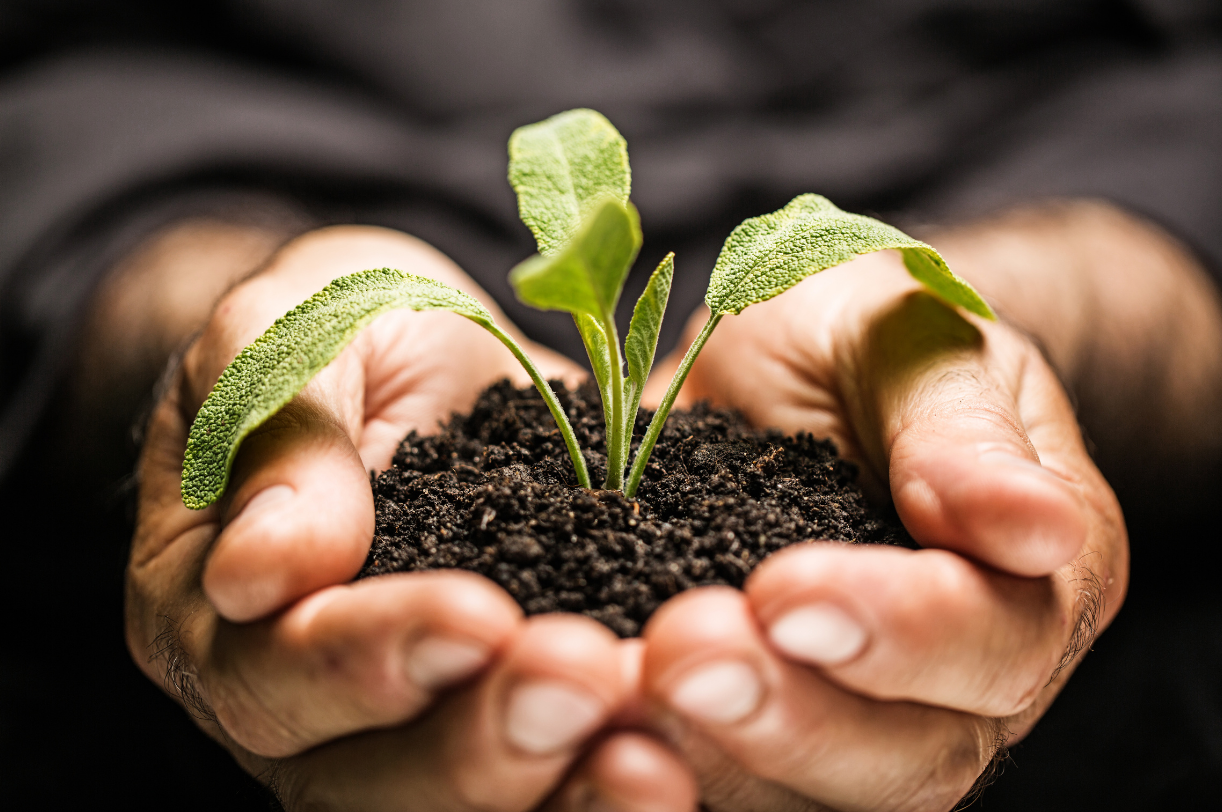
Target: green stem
[(630, 410), (617, 446), (668, 400), (553, 404)]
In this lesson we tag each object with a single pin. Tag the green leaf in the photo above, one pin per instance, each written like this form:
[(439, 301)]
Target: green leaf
[(642, 340), (561, 167), (271, 371), (598, 350), (769, 254), (587, 276)]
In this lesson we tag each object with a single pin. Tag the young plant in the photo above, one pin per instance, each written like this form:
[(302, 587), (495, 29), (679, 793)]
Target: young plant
[(572, 179)]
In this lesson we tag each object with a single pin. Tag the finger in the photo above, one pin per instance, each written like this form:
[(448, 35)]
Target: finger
[(301, 508), (300, 515), (707, 664), (422, 366), (927, 626), (169, 542), (628, 772), (370, 654), (954, 407), (505, 743)]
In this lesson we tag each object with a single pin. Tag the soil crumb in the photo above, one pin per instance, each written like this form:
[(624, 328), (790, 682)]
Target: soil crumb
[(494, 492)]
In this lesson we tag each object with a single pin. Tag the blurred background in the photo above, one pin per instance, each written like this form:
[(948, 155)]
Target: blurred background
[(118, 119)]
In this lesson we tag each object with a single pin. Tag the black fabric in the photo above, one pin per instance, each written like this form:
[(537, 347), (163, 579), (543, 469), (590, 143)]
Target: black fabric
[(116, 116), (401, 110)]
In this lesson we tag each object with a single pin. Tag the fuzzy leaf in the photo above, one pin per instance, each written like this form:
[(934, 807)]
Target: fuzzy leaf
[(560, 168), (271, 371), (595, 340), (769, 254), (642, 340), (587, 276)]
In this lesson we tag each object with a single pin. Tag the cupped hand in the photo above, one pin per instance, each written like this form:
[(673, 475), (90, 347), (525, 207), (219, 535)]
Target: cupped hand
[(337, 693), (880, 678)]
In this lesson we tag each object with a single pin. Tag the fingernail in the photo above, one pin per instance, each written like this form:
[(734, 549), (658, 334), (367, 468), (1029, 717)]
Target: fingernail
[(919, 495), (723, 692), (547, 715), (436, 662), (820, 633)]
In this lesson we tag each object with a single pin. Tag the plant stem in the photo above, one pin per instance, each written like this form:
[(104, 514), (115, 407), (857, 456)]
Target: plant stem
[(668, 400), (617, 444), (553, 404)]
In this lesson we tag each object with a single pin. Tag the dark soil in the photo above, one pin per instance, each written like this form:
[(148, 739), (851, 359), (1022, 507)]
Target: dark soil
[(495, 493)]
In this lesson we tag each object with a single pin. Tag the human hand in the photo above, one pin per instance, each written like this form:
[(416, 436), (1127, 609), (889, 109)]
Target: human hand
[(880, 678), (320, 687)]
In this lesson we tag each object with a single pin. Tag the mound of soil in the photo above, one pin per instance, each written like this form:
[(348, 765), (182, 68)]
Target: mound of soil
[(495, 493)]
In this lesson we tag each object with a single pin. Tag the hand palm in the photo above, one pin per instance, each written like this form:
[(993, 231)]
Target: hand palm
[(963, 425), (314, 682)]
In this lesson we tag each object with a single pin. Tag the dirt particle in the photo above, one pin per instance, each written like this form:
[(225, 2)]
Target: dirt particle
[(494, 493)]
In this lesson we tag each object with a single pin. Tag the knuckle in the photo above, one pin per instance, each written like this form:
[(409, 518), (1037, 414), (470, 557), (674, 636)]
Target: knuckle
[(488, 783), (1084, 618), (364, 664), (300, 789), (179, 675), (290, 786), (372, 681), (988, 414), (249, 713), (1023, 694), (305, 414), (229, 315), (956, 771), (252, 726), (1015, 688), (365, 673), (950, 588), (951, 577)]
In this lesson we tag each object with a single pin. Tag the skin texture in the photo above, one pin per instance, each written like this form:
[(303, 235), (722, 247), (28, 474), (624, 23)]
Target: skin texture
[(965, 425), (967, 429), (247, 608), (245, 612), (1130, 323)]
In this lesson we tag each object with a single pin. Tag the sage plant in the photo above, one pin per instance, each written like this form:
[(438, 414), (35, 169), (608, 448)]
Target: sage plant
[(573, 182)]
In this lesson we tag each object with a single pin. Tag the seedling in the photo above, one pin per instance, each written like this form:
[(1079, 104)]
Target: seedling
[(572, 179)]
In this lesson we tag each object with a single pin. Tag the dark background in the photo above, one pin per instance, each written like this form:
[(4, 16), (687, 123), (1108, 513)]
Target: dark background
[(115, 115)]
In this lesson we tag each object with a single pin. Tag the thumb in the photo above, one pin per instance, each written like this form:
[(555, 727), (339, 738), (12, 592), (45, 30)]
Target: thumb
[(959, 409), (300, 515)]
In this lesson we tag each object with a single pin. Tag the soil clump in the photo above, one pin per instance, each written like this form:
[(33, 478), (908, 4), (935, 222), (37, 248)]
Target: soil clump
[(494, 492)]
